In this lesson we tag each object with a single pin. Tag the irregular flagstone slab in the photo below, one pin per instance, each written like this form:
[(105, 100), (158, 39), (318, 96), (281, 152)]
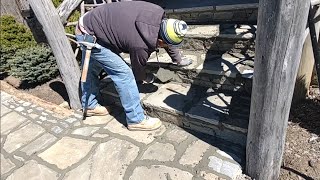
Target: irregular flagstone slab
[(67, 152), (160, 172), (230, 156), (177, 135), (98, 135), (203, 31), (109, 161), (160, 152), (22, 137), (5, 96), (194, 153), (210, 176), (227, 168), (33, 170), (4, 110), (97, 120), (218, 67), (85, 131), (145, 137), (165, 60), (39, 144), (10, 121), (171, 97), (6, 165), (211, 109)]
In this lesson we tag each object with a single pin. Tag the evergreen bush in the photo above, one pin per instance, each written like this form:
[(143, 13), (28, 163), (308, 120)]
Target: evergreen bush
[(14, 36), (34, 64)]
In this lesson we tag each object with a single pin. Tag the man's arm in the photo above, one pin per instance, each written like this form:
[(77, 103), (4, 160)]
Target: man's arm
[(173, 53), (176, 56), (139, 58)]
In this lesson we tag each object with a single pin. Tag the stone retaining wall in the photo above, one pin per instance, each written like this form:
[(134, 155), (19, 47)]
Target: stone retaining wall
[(213, 14)]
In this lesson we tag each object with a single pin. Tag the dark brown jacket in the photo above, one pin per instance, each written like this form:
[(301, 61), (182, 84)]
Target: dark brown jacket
[(130, 27)]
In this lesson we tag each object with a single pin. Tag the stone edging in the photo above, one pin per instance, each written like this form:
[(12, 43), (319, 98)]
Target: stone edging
[(63, 112)]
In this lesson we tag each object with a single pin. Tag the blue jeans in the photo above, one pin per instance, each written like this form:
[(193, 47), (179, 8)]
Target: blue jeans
[(122, 76)]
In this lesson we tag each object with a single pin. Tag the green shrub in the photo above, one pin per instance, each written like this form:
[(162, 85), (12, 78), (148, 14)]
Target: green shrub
[(74, 17), (14, 36), (56, 3), (34, 64)]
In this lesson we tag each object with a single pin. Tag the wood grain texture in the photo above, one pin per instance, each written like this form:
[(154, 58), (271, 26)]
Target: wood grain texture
[(11, 7), (280, 35), (306, 64), (66, 8), (57, 39)]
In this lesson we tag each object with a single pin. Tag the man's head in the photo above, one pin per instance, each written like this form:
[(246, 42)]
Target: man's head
[(172, 32)]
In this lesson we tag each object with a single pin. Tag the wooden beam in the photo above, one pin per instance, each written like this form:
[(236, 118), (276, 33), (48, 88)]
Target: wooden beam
[(66, 8), (280, 34), (306, 66), (54, 31), (315, 2)]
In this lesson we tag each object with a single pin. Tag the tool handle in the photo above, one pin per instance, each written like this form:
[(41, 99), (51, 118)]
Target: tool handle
[(85, 66)]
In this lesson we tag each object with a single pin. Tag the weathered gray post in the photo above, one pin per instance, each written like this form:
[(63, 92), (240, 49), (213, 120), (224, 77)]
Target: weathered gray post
[(66, 8), (307, 63), (54, 31), (280, 34)]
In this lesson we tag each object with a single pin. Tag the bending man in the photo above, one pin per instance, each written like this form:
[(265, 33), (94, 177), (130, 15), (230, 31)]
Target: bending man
[(134, 27)]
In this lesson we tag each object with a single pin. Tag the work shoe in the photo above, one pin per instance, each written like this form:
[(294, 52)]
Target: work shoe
[(148, 124), (98, 111)]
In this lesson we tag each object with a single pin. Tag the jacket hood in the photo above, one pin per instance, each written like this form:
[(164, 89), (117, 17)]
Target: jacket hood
[(148, 26)]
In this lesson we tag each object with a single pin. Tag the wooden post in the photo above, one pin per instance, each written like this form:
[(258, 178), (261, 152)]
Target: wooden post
[(306, 65), (280, 34), (11, 7), (66, 8), (54, 31)]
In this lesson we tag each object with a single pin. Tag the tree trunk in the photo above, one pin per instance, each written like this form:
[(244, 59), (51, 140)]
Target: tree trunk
[(280, 34), (54, 31), (66, 8)]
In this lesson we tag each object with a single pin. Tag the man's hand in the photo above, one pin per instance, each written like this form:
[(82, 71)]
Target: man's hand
[(184, 62)]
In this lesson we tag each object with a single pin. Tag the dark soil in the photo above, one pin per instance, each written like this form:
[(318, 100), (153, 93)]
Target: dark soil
[(301, 158)]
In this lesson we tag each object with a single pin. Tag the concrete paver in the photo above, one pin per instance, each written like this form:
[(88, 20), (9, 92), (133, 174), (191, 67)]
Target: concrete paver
[(36, 144)]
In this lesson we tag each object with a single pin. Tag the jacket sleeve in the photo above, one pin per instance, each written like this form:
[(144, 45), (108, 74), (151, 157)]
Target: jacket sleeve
[(173, 53), (139, 58)]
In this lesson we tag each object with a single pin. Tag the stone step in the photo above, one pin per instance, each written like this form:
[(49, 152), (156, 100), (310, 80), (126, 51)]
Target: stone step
[(206, 11), (220, 37), (221, 114), (230, 71)]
